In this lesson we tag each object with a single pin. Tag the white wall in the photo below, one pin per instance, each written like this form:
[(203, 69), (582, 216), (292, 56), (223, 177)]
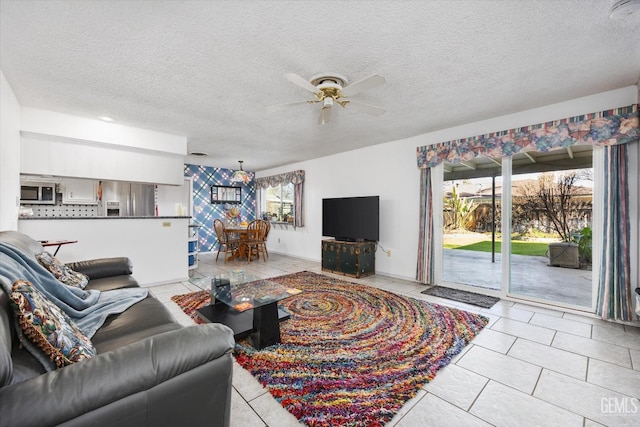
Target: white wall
[(390, 171), (9, 156)]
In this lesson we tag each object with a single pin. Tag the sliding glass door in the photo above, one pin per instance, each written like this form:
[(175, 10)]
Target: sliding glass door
[(521, 226), (551, 222), (471, 224)]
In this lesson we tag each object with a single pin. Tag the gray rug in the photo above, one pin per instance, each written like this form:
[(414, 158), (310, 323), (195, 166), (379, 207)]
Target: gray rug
[(472, 298)]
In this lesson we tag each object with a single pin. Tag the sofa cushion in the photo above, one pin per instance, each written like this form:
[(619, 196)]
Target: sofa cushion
[(111, 283), (144, 319), (6, 364), (61, 272), (103, 267), (48, 326), (26, 365)]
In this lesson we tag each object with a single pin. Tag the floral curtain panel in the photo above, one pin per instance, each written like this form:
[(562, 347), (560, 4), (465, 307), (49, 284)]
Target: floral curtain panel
[(614, 284), (297, 179), (424, 270), (610, 127)]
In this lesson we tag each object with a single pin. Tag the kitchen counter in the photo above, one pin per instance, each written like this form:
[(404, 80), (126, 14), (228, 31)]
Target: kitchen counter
[(156, 245), (103, 217)]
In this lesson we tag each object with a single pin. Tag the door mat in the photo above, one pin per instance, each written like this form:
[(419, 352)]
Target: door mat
[(337, 363), (472, 298)]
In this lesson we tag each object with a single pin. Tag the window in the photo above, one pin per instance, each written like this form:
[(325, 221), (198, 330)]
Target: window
[(277, 203), (281, 197)]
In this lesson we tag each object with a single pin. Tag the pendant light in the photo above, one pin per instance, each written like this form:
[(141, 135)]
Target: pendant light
[(240, 175)]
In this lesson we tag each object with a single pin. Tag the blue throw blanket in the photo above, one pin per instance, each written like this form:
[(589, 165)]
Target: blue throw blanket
[(87, 308)]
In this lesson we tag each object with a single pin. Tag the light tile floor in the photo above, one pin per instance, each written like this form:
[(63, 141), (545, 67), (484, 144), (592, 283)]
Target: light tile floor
[(530, 366)]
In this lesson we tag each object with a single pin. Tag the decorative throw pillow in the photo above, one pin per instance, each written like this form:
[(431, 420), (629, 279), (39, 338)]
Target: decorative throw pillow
[(48, 326), (61, 272)]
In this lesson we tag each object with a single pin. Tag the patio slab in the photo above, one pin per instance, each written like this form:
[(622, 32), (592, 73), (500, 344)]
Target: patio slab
[(530, 276)]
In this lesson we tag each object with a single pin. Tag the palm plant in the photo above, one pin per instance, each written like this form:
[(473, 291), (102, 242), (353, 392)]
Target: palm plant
[(460, 209)]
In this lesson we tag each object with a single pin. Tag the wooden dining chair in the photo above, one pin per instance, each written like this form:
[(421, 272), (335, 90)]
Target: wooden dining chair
[(266, 234), (225, 244), (255, 243)]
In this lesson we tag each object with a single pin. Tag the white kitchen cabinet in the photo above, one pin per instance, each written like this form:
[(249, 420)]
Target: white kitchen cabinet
[(80, 191), (58, 156)]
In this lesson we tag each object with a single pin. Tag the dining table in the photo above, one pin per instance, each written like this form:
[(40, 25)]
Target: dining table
[(238, 232)]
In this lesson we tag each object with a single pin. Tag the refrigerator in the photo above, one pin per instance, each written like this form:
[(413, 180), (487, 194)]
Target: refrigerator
[(128, 199)]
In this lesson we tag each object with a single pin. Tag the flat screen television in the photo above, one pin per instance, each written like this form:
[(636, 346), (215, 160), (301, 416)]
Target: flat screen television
[(353, 219)]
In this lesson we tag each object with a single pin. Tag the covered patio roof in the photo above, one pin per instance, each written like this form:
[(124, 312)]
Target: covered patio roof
[(574, 157)]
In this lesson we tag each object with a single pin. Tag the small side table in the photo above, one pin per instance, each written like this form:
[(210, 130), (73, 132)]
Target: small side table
[(57, 243)]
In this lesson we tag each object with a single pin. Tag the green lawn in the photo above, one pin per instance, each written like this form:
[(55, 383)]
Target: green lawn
[(518, 248)]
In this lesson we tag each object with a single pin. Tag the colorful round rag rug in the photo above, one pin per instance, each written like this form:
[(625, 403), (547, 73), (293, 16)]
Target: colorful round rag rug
[(352, 355)]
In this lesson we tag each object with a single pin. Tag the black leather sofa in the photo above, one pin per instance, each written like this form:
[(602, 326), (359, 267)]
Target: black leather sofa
[(149, 370)]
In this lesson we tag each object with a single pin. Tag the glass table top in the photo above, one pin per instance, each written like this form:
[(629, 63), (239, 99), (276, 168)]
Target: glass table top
[(244, 291), (235, 277)]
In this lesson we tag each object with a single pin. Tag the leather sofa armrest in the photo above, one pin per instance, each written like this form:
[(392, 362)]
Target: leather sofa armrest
[(103, 267), (62, 395)]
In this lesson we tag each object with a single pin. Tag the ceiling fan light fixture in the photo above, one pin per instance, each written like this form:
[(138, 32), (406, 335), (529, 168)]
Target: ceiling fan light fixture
[(623, 8), (240, 175), (325, 116), (329, 79), (331, 88)]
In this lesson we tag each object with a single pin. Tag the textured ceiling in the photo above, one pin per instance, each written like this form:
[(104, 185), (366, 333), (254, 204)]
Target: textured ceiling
[(210, 69)]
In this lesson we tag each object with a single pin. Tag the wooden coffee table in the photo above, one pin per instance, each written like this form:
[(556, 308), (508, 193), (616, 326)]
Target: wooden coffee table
[(248, 305)]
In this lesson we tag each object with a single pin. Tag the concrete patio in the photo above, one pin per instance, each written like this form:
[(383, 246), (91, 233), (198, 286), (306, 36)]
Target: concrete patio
[(530, 276)]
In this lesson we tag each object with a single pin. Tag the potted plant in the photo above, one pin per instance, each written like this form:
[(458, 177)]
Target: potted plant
[(584, 241)]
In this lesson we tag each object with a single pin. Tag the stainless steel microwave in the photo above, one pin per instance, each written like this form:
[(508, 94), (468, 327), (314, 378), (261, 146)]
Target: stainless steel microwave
[(37, 193)]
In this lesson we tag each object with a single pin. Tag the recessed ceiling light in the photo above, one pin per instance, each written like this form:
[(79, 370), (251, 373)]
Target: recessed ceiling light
[(105, 118), (198, 154)]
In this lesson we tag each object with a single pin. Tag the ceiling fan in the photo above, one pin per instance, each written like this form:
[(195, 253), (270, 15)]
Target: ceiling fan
[(332, 88)]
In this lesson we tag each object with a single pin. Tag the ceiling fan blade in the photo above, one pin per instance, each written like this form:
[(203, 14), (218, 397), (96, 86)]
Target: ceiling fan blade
[(365, 108), (296, 79), (325, 115), (362, 85), (283, 106)]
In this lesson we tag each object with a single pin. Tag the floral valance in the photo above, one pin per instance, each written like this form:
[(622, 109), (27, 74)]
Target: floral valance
[(295, 177), (610, 127)]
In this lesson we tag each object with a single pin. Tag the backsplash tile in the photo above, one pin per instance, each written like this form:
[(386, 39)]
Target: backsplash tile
[(63, 211)]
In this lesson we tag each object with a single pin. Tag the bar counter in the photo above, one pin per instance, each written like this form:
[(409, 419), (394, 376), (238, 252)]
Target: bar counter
[(156, 246)]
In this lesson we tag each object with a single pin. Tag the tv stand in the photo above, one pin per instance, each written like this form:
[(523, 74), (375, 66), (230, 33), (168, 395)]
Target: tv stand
[(353, 259)]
